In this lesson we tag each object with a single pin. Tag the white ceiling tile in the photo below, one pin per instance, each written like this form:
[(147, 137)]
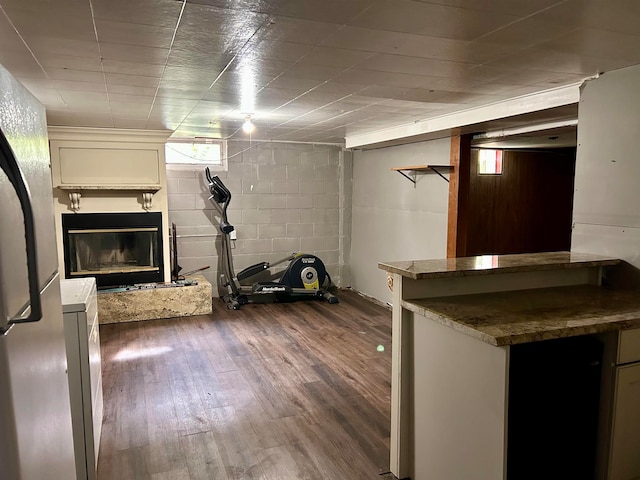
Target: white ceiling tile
[(340, 88), (414, 65), (11, 41), (424, 46), (35, 6), (553, 60), (259, 47), (177, 92), (331, 11), (622, 16), (367, 39), (71, 85), (123, 121), (430, 19), (134, 34), (522, 76), (296, 84), (75, 75), (132, 68), (510, 7), (189, 74), (317, 73), (42, 46), (494, 73), (258, 66), (200, 19), (88, 104), (132, 90), (133, 80), (119, 97), (201, 60), (53, 23), (75, 97), (161, 110), (145, 12), (71, 62), (97, 120), (294, 30), (385, 92), (130, 109), (599, 43), (526, 32), (334, 57), (397, 16), (21, 65), (134, 53), (156, 124), (390, 79)]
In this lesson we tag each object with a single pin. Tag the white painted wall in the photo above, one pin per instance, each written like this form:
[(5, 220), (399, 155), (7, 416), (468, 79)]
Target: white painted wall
[(392, 220), (607, 188)]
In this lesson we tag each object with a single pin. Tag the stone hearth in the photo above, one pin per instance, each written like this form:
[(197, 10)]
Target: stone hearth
[(147, 304)]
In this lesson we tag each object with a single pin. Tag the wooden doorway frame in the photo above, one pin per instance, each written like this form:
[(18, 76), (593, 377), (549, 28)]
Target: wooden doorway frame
[(459, 182)]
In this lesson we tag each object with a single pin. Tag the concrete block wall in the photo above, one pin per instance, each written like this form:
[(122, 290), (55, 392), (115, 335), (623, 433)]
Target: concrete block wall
[(285, 198)]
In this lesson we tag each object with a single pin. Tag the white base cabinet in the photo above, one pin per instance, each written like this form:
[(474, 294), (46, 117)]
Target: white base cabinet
[(80, 311), (624, 462)]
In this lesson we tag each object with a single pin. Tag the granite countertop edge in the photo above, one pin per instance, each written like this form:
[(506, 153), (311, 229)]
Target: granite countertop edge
[(532, 333), (526, 263)]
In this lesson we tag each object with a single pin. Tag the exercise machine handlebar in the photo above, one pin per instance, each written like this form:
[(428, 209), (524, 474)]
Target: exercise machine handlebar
[(222, 197)]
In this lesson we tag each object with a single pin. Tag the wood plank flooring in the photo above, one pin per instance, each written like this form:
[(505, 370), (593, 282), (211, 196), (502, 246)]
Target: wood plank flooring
[(281, 391)]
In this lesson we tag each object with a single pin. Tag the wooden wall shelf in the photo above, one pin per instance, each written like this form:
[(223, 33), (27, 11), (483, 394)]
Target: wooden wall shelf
[(140, 188), (422, 169)]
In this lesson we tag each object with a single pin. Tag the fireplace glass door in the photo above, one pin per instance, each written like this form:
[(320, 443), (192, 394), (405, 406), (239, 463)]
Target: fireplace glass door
[(112, 248)]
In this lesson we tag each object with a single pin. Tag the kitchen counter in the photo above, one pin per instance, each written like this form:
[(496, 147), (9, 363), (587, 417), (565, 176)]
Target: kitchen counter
[(455, 322), (522, 316), (492, 264)]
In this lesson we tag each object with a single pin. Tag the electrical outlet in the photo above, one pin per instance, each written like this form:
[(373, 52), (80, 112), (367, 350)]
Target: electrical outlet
[(233, 235)]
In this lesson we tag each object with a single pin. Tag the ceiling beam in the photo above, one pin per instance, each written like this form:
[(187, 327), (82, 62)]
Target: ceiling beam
[(418, 130)]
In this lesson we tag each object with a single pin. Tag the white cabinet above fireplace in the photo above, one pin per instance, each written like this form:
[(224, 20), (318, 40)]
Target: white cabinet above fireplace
[(101, 164), (97, 162)]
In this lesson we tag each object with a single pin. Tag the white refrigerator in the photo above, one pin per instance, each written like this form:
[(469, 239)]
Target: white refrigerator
[(36, 439)]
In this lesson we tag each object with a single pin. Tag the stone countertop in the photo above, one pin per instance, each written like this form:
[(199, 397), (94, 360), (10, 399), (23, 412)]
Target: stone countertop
[(490, 264), (523, 316)]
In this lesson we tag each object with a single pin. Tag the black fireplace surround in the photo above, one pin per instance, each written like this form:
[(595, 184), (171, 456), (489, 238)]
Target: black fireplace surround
[(117, 249)]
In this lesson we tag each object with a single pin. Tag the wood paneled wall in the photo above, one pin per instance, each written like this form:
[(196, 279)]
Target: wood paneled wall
[(526, 209)]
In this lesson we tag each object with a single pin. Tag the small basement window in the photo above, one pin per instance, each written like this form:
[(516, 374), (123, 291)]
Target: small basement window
[(199, 153), (489, 162)]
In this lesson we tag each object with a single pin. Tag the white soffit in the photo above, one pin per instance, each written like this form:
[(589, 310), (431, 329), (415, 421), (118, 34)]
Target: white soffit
[(547, 99)]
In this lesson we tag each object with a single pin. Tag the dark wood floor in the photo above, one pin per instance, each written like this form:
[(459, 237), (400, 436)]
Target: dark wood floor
[(281, 391)]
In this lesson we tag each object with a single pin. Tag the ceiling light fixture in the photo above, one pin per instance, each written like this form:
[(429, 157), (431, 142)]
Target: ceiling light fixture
[(248, 126)]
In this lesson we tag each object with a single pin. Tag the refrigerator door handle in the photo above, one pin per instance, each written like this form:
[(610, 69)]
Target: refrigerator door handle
[(9, 164)]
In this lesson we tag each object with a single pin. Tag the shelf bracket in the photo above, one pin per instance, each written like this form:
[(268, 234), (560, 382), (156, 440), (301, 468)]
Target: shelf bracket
[(411, 179), (441, 175), (74, 199)]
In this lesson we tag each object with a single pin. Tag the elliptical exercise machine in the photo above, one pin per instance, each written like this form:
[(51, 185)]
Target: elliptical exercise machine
[(305, 276)]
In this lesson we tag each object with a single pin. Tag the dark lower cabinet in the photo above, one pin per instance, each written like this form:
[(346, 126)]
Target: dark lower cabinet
[(554, 391)]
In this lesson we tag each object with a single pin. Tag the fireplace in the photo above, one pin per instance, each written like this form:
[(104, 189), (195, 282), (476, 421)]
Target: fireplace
[(115, 248)]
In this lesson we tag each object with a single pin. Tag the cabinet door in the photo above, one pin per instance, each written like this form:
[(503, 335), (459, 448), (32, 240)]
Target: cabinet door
[(625, 461)]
